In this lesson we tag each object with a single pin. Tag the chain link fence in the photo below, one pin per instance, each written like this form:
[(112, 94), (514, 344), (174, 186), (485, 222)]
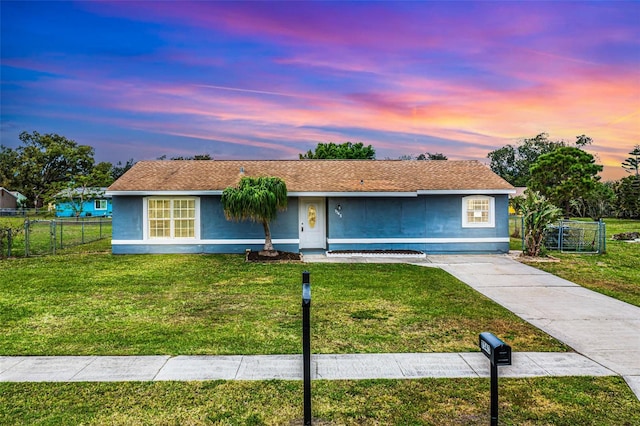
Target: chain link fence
[(576, 236), (566, 236), (36, 237)]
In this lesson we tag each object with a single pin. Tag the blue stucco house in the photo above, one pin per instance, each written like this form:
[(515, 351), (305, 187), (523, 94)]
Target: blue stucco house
[(429, 206), (83, 202)]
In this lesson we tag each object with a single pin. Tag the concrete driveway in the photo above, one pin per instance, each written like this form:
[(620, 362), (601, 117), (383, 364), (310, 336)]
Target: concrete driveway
[(599, 327)]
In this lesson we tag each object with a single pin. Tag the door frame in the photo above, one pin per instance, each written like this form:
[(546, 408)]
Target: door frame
[(302, 211)]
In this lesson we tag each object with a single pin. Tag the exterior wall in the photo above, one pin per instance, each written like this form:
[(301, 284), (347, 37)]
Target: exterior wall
[(126, 224), (430, 223), (65, 209), (7, 200), (217, 234)]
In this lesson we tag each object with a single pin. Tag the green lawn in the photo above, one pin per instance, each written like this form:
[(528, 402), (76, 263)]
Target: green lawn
[(558, 401), (615, 273), (101, 304), (88, 302)]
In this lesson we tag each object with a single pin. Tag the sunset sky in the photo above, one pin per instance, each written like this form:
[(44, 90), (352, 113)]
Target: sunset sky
[(269, 80)]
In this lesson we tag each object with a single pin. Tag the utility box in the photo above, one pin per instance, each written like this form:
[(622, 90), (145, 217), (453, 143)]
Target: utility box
[(498, 352)]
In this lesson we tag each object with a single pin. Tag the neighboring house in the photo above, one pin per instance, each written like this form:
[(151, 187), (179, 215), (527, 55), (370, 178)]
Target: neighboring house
[(22, 200), (431, 206), (83, 202), (7, 199)]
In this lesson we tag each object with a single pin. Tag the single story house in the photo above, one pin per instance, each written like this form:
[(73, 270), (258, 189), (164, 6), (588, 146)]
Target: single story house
[(83, 202), (8, 200), (430, 206)]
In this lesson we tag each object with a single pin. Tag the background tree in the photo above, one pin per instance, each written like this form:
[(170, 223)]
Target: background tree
[(430, 156), (596, 204), (562, 173), (513, 163), (46, 159), (197, 157), (632, 164), (259, 200), (582, 141), (538, 213), (8, 166), (627, 201), (346, 150), (119, 169)]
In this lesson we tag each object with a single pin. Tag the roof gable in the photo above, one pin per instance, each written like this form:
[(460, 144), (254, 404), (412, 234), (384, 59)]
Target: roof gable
[(314, 176)]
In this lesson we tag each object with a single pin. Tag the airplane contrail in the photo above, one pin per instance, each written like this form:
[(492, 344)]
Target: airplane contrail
[(262, 92)]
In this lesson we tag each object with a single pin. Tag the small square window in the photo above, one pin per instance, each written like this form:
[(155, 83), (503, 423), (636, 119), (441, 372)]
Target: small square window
[(100, 205), (478, 212)]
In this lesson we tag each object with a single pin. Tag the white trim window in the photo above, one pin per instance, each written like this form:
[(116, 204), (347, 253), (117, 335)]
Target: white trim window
[(100, 205), (171, 218), (478, 211)]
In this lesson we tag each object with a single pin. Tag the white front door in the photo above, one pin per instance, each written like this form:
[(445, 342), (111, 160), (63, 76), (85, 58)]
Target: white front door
[(312, 226)]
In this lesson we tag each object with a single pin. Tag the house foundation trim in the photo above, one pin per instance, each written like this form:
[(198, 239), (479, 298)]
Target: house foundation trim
[(416, 240), (207, 242)]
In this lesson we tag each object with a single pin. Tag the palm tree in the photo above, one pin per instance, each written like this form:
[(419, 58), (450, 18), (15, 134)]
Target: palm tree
[(256, 199)]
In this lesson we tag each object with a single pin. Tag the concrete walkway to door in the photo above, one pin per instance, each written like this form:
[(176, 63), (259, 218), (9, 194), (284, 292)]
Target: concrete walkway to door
[(599, 327)]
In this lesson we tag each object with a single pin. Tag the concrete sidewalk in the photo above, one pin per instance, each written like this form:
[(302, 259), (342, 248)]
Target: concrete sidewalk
[(289, 367)]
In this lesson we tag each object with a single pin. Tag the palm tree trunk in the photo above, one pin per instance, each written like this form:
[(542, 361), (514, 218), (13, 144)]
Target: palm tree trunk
[(268, 249)]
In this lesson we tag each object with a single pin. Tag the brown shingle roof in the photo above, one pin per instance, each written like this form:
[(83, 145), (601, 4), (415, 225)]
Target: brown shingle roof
[(313, 175)]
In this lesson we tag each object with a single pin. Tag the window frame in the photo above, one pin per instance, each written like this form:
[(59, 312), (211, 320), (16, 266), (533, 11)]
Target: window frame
[(172, 219), (101, 201), (490, 223)]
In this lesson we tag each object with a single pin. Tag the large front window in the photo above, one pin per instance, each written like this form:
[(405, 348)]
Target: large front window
[(478, 211), (171, 217)]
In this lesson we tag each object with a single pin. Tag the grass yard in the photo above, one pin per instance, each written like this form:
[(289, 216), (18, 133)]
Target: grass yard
[(88, 302), (101, 304), (615, 273), (535, 401)]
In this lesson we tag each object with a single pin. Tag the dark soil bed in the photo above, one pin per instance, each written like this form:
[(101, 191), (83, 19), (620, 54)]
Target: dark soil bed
[(283, 256)]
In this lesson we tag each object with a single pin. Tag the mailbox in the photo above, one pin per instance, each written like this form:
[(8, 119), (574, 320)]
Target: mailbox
[(498, 352)]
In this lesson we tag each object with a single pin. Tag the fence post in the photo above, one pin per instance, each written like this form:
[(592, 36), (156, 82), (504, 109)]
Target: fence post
[(61, 230), (603, 237), (53, 239), (522, 227), (9, 242), (561, 235), (82, 232), (27, 229)]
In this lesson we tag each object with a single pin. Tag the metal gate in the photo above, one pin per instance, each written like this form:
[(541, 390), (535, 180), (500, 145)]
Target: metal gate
[(576, 236)]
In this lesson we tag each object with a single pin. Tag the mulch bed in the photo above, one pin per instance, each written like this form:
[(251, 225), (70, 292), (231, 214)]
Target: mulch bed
[(283, 256)]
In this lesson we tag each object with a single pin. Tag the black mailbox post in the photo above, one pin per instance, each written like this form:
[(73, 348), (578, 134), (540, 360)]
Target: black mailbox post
[(306, 346), (499, 353)]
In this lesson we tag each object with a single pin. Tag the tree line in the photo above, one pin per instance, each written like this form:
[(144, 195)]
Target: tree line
[(568, 176), (46, 164)]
